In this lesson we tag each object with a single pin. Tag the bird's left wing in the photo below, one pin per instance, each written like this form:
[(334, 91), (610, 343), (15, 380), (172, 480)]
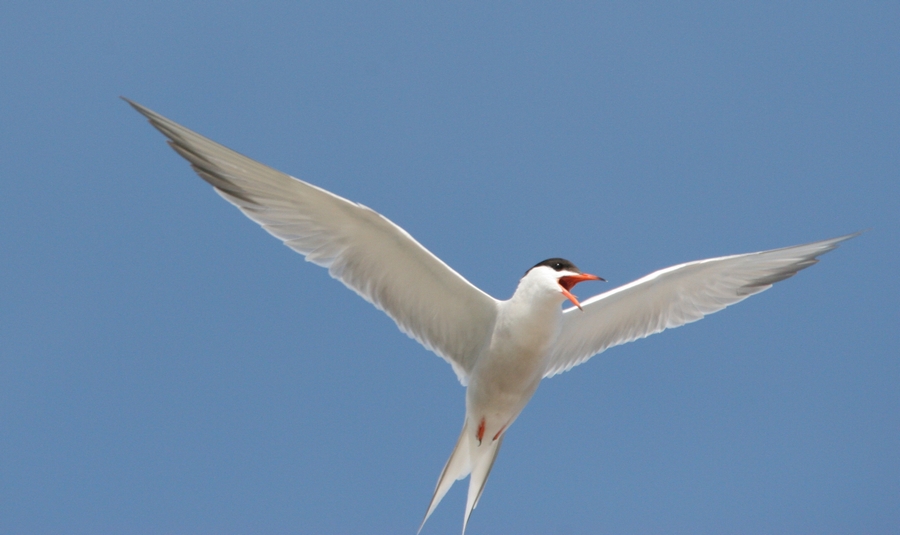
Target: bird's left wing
[(361, 248), (672, 297)]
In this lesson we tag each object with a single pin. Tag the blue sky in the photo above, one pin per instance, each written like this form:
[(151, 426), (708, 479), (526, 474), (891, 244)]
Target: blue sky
[(168, 367)]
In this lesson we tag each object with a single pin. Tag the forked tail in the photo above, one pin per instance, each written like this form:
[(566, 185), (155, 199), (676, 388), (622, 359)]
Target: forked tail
[(468, 457)]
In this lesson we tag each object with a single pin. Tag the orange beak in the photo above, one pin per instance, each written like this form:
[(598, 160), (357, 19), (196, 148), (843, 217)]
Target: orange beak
[(569, 281)]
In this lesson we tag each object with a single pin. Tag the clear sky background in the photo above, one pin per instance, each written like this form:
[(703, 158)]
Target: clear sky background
[(167, 367)]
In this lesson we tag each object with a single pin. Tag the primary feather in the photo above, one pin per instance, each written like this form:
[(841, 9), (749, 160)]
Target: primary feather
[(672, 297), (380, 261)]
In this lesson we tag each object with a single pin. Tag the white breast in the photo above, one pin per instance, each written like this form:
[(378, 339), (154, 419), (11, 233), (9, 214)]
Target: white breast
[(506, 376)]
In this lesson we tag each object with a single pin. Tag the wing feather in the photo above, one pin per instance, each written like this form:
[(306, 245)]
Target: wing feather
[(672, 297), (377, 259)]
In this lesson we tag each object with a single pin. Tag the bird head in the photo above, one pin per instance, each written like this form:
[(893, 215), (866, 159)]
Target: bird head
[(564, 274)]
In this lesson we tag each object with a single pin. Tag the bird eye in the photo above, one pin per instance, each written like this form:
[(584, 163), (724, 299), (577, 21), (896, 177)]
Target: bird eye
[(558, 266)]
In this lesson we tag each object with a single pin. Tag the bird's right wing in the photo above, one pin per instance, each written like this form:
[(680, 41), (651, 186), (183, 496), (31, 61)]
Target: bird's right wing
[(672, 297), (361, 248)]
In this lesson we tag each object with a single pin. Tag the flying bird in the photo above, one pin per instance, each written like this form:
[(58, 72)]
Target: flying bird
[(500, 350)]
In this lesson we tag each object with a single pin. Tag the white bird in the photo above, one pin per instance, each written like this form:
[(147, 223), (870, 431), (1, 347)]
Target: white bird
[(500, 350)]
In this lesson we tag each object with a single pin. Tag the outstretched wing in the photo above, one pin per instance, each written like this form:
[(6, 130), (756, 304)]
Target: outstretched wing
[(672, 297), (361, 248)]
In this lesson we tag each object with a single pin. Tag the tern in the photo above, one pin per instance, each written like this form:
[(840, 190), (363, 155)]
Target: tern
[(500, 350)]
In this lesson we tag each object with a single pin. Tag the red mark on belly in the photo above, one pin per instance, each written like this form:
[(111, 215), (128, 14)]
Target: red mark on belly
[(500, 432), (480, 434)]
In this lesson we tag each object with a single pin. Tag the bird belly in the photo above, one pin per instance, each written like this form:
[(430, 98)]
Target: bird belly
[(506, 377)]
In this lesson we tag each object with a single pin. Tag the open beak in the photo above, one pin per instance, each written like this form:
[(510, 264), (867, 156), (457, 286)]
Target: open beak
[(569, 281)]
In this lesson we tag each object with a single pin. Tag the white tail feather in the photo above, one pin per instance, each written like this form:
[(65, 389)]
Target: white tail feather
[(458, 466), (468, 457), (481, 469)]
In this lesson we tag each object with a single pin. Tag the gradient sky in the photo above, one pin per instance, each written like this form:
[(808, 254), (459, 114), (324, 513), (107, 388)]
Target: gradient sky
[(167, 367)]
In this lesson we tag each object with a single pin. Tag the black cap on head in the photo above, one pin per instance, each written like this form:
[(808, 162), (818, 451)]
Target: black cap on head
[(559, 264)]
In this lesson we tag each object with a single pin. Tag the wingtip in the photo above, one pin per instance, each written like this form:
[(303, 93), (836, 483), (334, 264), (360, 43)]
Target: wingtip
[(834, 243), (852, 235), (131, 103), (146, 112)]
